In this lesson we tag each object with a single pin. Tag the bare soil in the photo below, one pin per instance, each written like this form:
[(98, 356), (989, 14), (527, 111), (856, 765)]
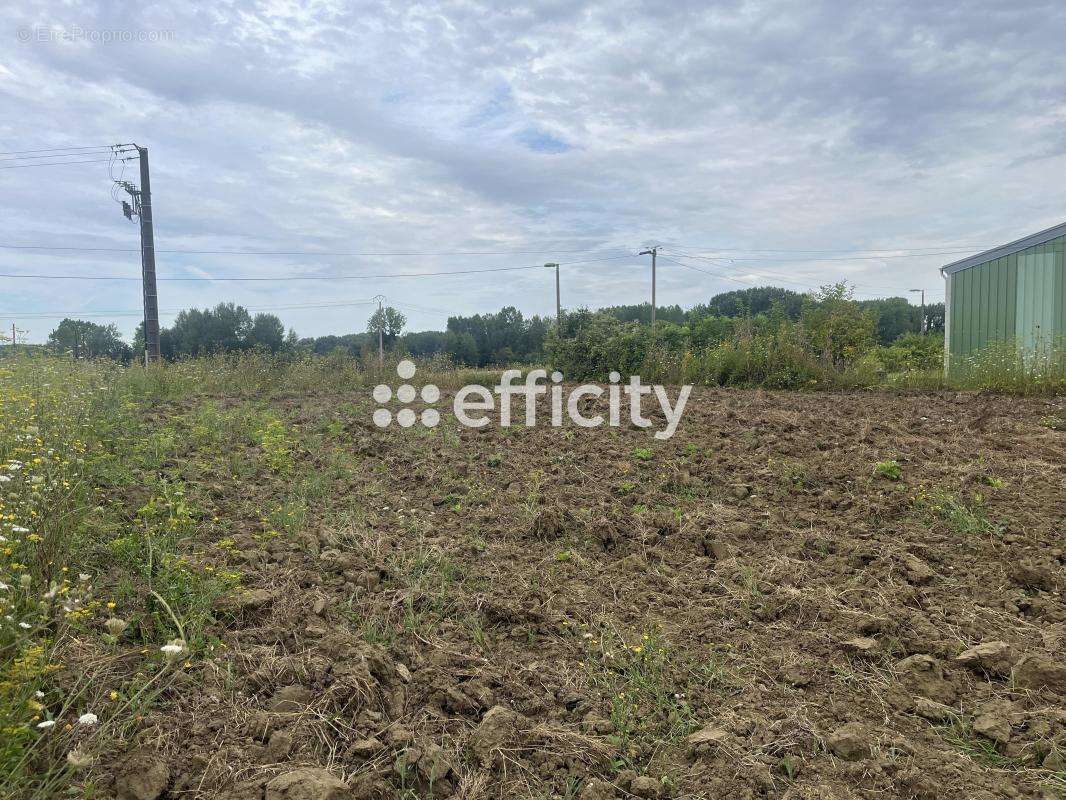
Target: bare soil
[(748, 610)]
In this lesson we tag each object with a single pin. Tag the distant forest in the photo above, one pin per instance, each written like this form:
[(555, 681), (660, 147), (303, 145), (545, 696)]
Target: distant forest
[(504, 337)]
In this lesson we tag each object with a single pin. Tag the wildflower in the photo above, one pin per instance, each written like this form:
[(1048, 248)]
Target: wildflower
[(25, 626), (116, 626), (88, 718), (48, 723), (19, 529), (112, 695), (173, 650), (25, 581), (79, 759)]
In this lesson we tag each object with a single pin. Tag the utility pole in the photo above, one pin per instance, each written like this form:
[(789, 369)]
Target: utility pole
[(381, 330), (142, 207), (14, 336), (558, 299), (653, 253), (922, 326)]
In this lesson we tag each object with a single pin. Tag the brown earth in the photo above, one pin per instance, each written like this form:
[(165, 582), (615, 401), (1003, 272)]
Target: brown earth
[(747, 610)]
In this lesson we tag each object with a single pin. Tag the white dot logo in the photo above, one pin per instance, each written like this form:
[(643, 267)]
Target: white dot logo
[(406, 393)]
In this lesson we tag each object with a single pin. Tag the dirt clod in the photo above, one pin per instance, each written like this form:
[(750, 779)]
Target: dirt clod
[(993, 721), (646, 787), (597, 789), (141, 775), (1038, 671), (916, 570), (992, 657), (924, 676), (863, 646), (1031, 574), (280, 745), (932, 710), (497, 727), (850, 742), (291, 698), (306, 784)]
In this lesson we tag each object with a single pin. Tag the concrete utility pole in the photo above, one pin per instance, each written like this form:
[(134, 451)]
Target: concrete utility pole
[(653, 253), (558, 299), (922, 326), (381, 330), (142, 207)]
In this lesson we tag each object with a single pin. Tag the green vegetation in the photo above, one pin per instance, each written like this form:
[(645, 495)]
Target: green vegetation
[(889, 469), (84, 571), (962, 517), (831, 341)]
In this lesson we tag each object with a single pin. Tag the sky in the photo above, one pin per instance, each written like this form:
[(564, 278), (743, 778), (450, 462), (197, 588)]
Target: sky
[(784, 143)]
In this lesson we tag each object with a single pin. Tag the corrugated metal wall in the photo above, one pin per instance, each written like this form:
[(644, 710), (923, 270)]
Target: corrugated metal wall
[(1021, 297)]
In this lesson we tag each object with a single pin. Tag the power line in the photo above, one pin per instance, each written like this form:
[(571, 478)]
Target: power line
[(770, 278), (53, 149), (279, 278), (770, 274), (140, 312), (850, 258), (63, 163), (950, 247), (44, 156), (705, 272), (299, 252)]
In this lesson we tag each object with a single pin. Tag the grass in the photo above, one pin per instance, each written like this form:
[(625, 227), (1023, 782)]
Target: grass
[(639, 680), (91, 564), (96, 566), (969, 519)]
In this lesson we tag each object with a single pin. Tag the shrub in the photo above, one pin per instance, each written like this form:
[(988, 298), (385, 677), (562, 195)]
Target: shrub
[(889, 469)]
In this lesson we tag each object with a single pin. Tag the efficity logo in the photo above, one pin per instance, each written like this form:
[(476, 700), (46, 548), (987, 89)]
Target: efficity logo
[(474, 405)]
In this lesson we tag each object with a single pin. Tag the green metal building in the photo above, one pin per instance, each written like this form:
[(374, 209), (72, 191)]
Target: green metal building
[(1013, 293)]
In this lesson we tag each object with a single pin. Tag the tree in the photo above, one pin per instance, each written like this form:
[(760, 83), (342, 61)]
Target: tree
[(839, 329), (389, 321), (225, 327), (83, 339), (266, 332), (501, 338), (751, 302), (422, 344), (167, 347), (462, 348)]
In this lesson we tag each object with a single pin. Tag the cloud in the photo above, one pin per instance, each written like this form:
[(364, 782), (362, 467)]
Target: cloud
[(461, 126)]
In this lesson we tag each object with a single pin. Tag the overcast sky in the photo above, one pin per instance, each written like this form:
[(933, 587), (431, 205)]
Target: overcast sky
[(562, 131)]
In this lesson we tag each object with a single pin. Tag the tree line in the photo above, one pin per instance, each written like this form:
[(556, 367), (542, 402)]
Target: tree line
[(504, 337)]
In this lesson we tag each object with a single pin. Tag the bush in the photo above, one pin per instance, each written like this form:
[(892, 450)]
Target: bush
[(913, 352)]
